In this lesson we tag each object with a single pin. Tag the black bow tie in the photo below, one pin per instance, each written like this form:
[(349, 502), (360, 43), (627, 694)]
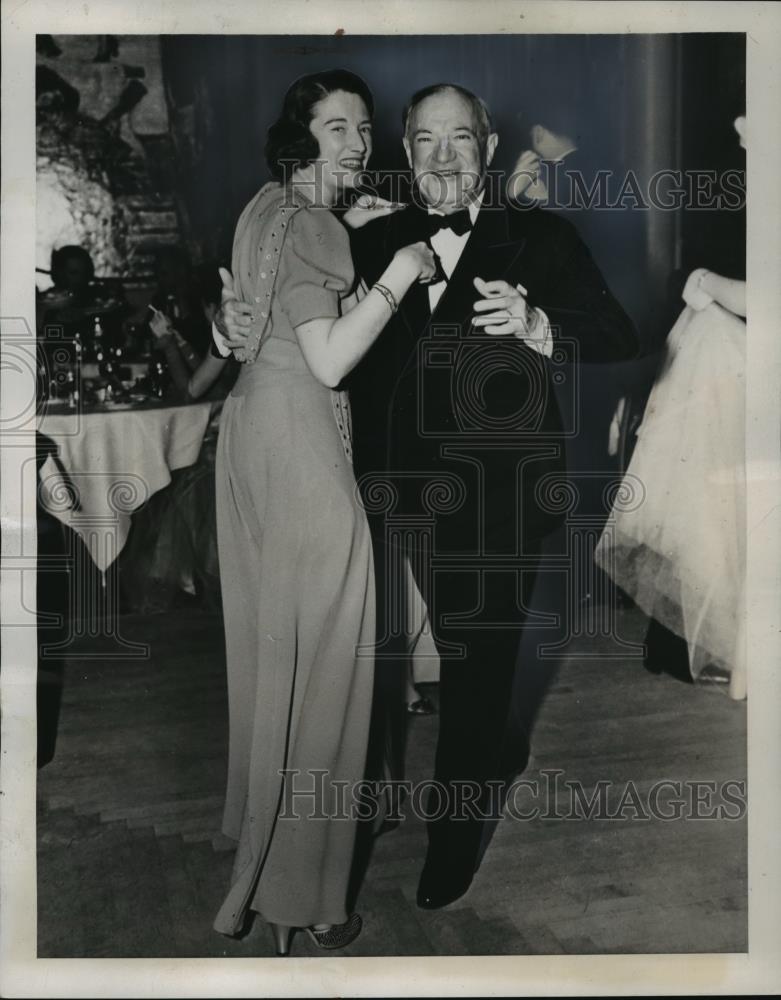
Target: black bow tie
[(459, 222)]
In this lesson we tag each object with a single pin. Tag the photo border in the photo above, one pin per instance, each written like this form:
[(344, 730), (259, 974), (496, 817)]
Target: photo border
[(21, 973)]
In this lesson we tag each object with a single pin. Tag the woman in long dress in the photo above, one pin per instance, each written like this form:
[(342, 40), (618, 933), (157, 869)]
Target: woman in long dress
[(677, 546), (294, 545)]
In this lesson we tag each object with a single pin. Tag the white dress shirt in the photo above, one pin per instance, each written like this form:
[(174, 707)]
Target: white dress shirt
[(449, 246)]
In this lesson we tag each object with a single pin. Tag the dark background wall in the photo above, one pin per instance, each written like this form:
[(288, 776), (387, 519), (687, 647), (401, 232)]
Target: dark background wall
[(639, 103)]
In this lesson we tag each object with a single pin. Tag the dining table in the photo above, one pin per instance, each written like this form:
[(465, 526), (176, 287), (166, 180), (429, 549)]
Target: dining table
[(109, 459)]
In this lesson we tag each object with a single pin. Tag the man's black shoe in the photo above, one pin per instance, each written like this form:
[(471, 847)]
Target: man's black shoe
[(440, 886)]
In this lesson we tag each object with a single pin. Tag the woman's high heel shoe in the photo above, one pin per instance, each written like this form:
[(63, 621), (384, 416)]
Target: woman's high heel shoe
[(281, 938), (329, 938), (337, 935)]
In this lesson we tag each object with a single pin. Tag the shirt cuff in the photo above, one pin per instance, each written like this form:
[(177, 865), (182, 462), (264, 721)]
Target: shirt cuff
[(542, 341), (219, 349)]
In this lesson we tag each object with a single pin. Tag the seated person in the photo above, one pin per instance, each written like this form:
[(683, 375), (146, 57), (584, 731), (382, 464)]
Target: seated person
[(180, 295), (75, 300), (194, 372), (72, 273)]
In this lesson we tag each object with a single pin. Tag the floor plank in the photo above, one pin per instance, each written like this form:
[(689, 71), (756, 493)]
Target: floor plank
[(132, 862)]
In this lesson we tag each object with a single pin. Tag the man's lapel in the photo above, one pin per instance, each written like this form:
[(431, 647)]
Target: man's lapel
[(488, 254)]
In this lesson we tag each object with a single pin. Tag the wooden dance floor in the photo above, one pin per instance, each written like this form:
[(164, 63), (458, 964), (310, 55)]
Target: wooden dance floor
[(131, 862)]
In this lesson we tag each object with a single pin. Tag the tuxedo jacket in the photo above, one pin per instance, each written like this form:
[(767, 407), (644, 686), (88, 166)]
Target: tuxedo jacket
[(466, 425)]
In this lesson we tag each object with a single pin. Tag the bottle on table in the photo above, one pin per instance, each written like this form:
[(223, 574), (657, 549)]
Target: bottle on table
[(118, 356), (97, 336), (158, 377), (42, 384), (72, 390), (109, 374), (78, 358), (172, 308)]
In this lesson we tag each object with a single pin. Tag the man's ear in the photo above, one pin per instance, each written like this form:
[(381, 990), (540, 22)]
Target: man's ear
[(537, 134), (407, 150), (490, 147)]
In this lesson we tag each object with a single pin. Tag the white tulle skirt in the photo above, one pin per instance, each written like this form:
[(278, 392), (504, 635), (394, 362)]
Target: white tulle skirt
[(676, 538)]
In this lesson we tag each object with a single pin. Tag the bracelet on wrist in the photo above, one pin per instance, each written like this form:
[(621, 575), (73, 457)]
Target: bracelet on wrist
[(388, 295)]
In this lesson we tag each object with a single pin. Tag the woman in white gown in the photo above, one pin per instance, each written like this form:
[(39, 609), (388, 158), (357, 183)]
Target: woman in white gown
[(679, 548)]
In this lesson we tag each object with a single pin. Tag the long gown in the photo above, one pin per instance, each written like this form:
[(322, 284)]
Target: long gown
[(676, 538), (297, 580)]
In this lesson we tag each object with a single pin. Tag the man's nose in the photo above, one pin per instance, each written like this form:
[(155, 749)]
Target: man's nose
[(443, 151)]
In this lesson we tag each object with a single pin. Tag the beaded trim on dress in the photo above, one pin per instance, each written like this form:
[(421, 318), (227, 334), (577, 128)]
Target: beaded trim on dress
[(341, 407), (261, 272)]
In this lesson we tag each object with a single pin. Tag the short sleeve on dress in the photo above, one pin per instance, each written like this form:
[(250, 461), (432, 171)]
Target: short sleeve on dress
[(316, 267)]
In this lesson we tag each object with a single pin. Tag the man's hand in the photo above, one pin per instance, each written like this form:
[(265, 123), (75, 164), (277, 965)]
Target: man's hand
[(525, 174), (369, 207), (233, 317), (503, 310)]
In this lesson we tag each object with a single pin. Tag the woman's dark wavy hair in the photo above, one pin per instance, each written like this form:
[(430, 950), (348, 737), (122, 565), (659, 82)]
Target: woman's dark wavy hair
[(290, 143)]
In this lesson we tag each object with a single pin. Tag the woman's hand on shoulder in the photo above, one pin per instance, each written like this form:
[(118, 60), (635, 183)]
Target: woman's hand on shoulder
[(704, 287), (369, 207), (694, 295)]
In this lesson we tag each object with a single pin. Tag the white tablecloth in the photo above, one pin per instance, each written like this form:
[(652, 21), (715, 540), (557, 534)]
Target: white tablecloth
[(110, 463)]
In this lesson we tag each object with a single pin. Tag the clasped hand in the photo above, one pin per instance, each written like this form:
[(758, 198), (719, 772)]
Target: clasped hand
[(504, 311)]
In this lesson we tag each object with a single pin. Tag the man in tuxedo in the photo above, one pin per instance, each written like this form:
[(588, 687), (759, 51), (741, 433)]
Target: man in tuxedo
[(454, 415), (457, 393)]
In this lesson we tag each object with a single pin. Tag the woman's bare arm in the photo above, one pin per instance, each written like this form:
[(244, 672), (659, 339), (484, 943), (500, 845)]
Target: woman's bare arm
[(332, 347)]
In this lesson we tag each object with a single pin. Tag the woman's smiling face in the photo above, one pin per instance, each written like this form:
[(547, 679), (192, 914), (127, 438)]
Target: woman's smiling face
[(343, 130)]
